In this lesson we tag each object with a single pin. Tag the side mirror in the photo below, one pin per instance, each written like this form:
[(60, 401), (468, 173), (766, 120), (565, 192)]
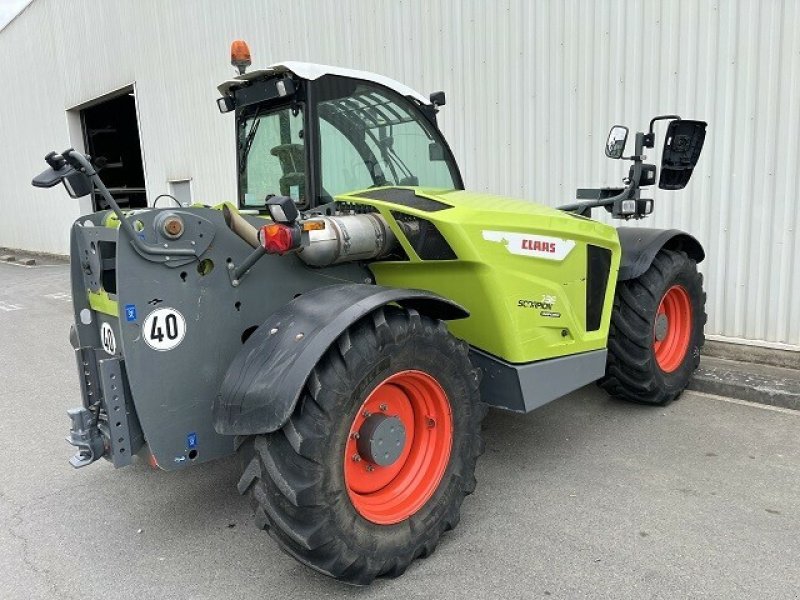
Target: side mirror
[(435, 152), (682, 147), (615, 144), (76, 183)]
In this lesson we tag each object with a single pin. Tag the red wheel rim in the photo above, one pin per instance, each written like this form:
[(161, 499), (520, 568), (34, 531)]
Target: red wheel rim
[(672, 331), (390, 494)]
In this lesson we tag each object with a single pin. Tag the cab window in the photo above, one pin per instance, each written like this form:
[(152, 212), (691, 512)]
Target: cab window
[(271, 156), (371, 136)]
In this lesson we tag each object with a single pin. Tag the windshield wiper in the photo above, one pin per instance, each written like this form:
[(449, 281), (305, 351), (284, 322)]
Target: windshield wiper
[(247, 143), (392, 159)]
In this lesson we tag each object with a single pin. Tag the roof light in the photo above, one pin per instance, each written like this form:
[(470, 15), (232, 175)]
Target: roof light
[(240, 55), (225, 104), (278, 238)]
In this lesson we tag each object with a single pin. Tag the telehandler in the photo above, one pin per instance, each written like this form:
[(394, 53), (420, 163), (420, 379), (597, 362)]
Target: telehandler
[(346, 323)]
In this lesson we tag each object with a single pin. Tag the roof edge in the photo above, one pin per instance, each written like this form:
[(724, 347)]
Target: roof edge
[(312, 71)]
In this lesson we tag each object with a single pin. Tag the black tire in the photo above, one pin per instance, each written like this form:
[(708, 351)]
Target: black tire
[(295, 476), (632, 371)]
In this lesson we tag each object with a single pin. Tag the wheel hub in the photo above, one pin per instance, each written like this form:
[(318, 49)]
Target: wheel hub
[(381, 439), (662, 326), (398, 447), (672, 329)]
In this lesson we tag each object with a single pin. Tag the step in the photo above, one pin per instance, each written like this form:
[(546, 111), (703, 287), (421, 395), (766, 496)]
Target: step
[(765, 384)]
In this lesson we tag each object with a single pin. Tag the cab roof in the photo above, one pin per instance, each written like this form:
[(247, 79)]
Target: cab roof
[(312, 71)]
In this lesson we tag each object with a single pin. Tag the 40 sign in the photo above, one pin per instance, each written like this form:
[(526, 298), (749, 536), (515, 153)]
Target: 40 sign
[(164, 329)]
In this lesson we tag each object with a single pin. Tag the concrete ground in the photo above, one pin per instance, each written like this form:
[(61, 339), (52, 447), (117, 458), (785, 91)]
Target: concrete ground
[(585, 498)]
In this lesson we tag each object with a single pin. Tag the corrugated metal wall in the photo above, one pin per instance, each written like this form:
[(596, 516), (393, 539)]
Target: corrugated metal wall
[(532, 88)]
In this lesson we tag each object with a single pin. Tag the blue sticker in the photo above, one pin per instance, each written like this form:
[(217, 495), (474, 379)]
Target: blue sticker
[(191, 441), (130, 312)]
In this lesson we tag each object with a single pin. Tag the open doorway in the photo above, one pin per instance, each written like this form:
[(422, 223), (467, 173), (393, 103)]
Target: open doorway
[(111, 131)]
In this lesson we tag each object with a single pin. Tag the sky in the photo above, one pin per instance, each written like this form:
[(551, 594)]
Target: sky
[(9, 9)]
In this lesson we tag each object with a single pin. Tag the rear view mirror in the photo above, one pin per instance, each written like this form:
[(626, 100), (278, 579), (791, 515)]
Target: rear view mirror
[(76, 183), (615, 144), (435, 152), (682, 147), (437, 99)]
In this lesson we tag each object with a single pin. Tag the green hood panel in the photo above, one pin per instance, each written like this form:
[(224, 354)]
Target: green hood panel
[(521, 270)]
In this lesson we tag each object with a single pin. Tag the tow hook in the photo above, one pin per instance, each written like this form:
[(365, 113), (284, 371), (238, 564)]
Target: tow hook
[(85, 436)]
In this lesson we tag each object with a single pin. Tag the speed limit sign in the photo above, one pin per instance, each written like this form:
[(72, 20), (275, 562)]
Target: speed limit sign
[(163, 329)]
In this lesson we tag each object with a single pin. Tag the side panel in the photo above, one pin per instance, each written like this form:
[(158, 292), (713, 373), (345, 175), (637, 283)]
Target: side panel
[(523, 388), (521, 271)]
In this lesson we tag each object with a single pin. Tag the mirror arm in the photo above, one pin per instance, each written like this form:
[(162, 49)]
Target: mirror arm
[(79, 161), (637, 159), (578, 206), (632, 186), (650, 138), (662, 118)]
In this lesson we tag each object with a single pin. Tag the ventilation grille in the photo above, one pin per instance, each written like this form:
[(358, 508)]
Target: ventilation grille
[(407, 198), (598, 265), (423, 236)]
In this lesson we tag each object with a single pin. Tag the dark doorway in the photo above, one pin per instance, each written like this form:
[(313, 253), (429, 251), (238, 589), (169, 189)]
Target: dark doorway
[(111, 131)]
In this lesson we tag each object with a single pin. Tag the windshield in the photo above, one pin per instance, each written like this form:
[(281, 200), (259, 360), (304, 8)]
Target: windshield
[(368, 136), (371, 136), (271, 156)]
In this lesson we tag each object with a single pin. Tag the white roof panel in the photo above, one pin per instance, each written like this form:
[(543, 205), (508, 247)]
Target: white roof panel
[(314, 71)]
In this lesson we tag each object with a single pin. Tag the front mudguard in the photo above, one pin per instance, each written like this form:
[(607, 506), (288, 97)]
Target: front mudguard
[(640, 245), (264, 382)]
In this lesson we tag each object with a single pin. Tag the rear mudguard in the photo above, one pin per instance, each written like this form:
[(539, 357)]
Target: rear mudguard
[(640, 245), (265, 379)]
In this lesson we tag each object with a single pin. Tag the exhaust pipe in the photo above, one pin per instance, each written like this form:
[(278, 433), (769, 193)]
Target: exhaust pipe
[(348, 238), (342, 239), (240, 226)]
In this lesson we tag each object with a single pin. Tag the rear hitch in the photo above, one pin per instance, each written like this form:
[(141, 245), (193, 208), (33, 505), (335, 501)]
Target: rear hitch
[(85, 436)]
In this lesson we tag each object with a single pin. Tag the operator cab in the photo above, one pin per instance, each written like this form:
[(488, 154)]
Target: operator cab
[(312, 132)]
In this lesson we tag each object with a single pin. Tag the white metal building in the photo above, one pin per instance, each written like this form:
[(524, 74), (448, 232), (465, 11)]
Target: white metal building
[(532, 89)]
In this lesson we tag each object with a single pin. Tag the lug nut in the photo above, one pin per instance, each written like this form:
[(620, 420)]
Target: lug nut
[(355, 435), (370, 468), (384, 407), (356, 458), (431, 423), (366, 414)]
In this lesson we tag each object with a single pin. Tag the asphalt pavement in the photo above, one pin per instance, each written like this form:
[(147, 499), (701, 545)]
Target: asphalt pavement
[(587, 497)]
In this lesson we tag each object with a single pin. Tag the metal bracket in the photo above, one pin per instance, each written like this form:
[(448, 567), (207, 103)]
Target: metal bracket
[(89, 239), (106, 425), (85, 436), (87, 367), (156, 247), (121, 426), (236, 273)]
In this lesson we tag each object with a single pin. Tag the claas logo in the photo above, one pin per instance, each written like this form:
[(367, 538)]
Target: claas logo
[(539, 246)]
